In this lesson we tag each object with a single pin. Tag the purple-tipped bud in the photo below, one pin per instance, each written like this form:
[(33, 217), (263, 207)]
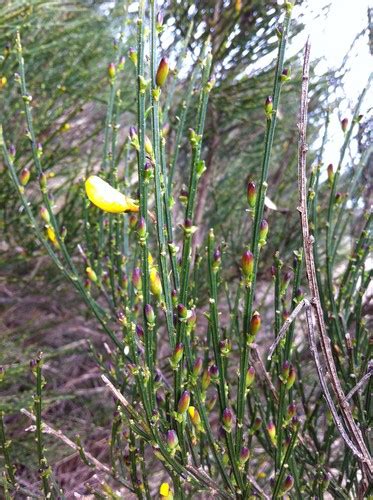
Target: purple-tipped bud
[(285, 75), (268, 107), (24, 176), (172, 439), (162, 72), (344, 124), (285, 371), (291, 378), (188, 223), (184, 402), (111, 71), (292, 410), (299, 294), (225, 346), (133, 133), (139, 331), (182, 311), (136, 278), (244, 455), (122, 62), (247, 264), (206, 379), (330, 170), (255, 323), (12, 151), (197, 367), (338, 198), (177, 354), (214, 373), (141, 228), (295, 422), (285, 315), (250, 376), (216, 259), (159, 21), (256, 425), (132, 54), (174, 297), (271, 429), (263, 232), (251, 194), (149, 314), (287, 484), (63, 232), (148, 170), (211, 402), (227, 419)]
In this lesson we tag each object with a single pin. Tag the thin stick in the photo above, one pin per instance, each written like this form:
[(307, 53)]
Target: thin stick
[(360, 384), (285, 328), (357, 438), (58, 434)]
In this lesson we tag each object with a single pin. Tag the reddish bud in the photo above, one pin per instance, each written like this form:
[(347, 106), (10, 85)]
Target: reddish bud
[(268, 107), (292, 410), (214, 373), (172, 439), (227, 419), (247, 263), (263, 232), (141, 228), (182, 311), (256, 425), (24, 176), (149, 314), (206, 379), (291, 378), (344, 124), (225, 346), (136, 278), (244, 455), (287, 484), (162, 72), (111, 71), (197, 367), (212, 402), (271, 429), (177, 355), (251, 194), (139, 331), (255, 323), (184, 402), (330, 173)]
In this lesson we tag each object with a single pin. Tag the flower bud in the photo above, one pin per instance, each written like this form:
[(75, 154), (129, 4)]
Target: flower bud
[(141, 228), (63, 232), (162, 72), (24, 176), (132, 54), (148, 170), (139, 331), (250, 376), (255, 323), (244, 455), (216, 260), (291, 378), (227, 419), (191, 319), (247, 263), (285, 371), (12, 152), (159, 22), (287, 484), (295, 422), (136, 278), (225, 346), (177, 354), (338, 198), (263, 232), (149, 314), (149, 147), (211, 402), (2, 373), (194, 416), (344, 124), (214, 373), (256, 425), (330, 174), (111, 71), (251, 194), (206, 379), (92, 276), (268, 107), (292, 410), (43, 182), (174, 297), (238, 6), (44, 214), (155, 283), (184, 402), (197, 367), (172, 439), (182, 311), (271, 429), (285, 75)]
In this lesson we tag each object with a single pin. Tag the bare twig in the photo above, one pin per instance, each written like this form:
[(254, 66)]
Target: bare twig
[(59, 435), (361, 382), (285, 327), (359, 448)]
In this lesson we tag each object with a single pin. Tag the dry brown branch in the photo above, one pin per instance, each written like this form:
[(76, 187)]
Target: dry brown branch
[(359, 448), (47, 429), (361, 382)]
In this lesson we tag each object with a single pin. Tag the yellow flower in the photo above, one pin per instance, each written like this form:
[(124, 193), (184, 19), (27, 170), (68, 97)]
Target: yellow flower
[(101, 194), (155, 283), (165, 491), (3, 81)]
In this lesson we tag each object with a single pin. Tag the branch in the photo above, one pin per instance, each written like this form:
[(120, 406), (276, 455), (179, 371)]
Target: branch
[(359, 448)]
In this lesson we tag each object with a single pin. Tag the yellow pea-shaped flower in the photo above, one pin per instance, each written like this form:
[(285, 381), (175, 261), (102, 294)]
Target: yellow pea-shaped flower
[(101, 194)]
